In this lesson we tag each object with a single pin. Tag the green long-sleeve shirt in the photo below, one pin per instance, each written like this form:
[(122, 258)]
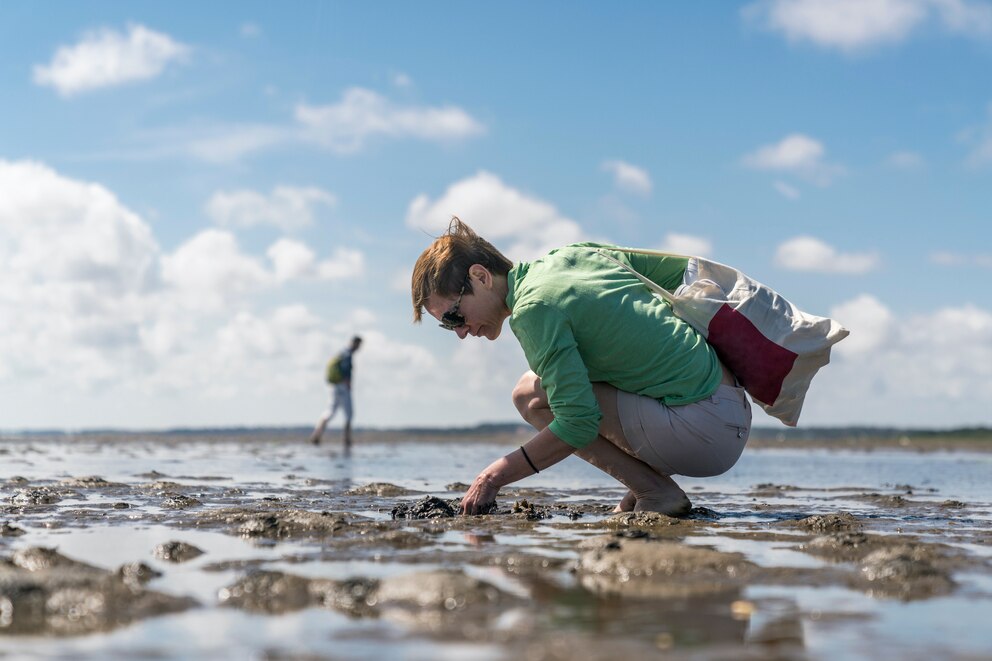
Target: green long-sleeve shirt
[(581, 319)]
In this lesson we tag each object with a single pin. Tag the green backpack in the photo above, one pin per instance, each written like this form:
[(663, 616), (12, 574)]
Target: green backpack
[(334, 374)]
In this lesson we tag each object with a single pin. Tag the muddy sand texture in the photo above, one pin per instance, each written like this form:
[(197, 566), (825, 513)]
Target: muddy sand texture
[(546, 574)]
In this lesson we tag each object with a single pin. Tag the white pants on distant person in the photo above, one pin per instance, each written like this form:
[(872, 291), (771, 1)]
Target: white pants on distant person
[(340, 399)]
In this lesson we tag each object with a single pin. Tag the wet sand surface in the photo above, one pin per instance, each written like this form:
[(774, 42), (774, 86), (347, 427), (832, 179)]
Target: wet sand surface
[(203, 548)]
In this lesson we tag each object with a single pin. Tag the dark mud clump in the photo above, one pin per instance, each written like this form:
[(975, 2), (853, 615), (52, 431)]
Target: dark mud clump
[(269, 592), (8, 530), (137, 573), (822, 523), (36, 496), (905, 571), (176, 551), (429, 507), (532, 512), (648, 568), (432, 600), (89, 482), (650, 520), (292, 523), (44, 593), (382, 489), (180, 502)]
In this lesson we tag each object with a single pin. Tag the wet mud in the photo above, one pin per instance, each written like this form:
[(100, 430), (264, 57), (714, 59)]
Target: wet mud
[(547, 573)]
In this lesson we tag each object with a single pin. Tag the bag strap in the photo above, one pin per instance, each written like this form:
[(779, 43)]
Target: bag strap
[(651, 284)]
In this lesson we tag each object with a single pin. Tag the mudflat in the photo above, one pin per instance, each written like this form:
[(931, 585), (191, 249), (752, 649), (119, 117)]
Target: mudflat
[(265, 546)]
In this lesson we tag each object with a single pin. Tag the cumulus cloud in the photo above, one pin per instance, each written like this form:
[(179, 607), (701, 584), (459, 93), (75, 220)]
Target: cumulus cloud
[(107, 58), (795, 154), (503, 215), (687, 244), (210, 268), (362, 114), (90, 302), (287, 207), (857, 25), (343, 128), (629, 177), (933, 366), (806, 253)]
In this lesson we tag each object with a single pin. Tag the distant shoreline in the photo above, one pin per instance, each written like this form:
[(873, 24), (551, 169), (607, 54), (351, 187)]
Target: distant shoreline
[(977, 439)]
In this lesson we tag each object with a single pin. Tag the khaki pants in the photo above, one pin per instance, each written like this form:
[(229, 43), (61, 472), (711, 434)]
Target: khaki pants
[(701, 439)]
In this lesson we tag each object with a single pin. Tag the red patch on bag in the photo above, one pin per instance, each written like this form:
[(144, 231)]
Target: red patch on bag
[(758, 363)]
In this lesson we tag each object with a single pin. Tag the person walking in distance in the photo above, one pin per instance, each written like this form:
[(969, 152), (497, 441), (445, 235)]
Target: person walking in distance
[(339, 376)]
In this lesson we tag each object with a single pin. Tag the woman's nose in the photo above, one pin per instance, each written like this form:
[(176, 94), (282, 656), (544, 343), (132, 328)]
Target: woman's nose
[(462, 332)]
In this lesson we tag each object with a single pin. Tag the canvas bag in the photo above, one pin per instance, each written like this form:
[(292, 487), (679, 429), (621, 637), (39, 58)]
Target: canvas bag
[(771, 346)]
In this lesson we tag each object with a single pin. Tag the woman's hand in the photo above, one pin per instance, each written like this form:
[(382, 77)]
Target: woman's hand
[(481, 496)]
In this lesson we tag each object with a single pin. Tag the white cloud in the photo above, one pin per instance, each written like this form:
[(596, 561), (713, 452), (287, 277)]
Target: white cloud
[(76, 267), (287, 207), (930, 367), (872, 325), (806, 253), (499, 213), (796, 154), (250, 30), (362, 114), (629, 177), (105, 58), (343, 264), (905, 160), (211, 269), (787, 191), (946, 258), (58, 230), (402, 80), (91, 307), (292, 260), (686, 244), (228, 143), (857, 25)]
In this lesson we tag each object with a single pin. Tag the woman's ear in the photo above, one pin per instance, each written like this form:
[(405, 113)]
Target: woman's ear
[(481, 273)]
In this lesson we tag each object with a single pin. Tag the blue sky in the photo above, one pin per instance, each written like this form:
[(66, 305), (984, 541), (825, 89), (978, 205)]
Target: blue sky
[(200, 203)]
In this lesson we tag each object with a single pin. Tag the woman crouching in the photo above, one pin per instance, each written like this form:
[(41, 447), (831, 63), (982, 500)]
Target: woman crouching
[(615, 377)]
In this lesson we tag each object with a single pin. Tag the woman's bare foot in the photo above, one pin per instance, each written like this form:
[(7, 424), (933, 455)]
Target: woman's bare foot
[(672, 503), (626, 503)]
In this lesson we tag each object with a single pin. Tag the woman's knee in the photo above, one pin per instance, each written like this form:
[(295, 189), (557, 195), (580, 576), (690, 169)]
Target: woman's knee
[(528, 394)]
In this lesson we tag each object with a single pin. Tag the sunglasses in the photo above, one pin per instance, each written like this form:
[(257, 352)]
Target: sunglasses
[(453, 319)]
